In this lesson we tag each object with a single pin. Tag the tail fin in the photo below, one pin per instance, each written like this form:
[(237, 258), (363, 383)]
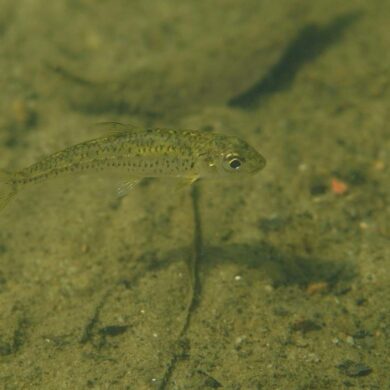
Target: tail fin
[(7, 188)]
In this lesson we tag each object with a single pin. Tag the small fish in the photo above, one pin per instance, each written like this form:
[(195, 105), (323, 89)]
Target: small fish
[(185, 154)]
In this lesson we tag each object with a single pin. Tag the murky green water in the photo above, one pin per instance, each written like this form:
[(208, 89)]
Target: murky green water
[(280, 281)]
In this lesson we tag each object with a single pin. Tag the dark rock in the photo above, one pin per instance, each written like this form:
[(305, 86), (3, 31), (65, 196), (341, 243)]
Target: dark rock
[(305, 326), (353, 369), (113, 330)]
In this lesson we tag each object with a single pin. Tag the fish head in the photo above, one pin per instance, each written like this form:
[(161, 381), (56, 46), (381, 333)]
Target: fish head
[(231, 156)]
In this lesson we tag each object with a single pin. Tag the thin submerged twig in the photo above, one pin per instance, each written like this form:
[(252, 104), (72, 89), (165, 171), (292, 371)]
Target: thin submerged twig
[(195, 290)]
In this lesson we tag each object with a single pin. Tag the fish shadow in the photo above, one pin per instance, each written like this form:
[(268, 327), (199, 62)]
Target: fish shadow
[(309, 43), (262, 260), (283, 269)]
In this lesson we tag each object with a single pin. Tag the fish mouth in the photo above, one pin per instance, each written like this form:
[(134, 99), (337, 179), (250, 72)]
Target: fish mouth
[(262, 162), (259, 164)]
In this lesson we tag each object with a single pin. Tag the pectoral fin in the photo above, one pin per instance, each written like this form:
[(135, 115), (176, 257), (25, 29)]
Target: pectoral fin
[(126, 186), (186, 182)]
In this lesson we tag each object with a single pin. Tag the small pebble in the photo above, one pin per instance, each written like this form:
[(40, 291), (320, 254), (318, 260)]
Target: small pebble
[(336, 340), (318, 186), (312, 357), (113, 330), (305, 326), (379, 165), (317, 288), (302, 167), (84, 248), (338, 187)]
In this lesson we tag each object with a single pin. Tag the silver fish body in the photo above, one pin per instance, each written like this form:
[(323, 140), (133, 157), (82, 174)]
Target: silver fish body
[(137, 153)]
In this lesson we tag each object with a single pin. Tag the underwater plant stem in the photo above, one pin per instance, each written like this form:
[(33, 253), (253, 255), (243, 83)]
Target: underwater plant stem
[(195, 290)]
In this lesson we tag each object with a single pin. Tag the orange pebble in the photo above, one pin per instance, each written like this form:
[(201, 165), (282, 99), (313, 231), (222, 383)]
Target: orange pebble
[(339, 187), (317, 287)]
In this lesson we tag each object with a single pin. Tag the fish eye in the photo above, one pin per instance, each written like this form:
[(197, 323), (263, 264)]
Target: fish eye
[(235, 163)]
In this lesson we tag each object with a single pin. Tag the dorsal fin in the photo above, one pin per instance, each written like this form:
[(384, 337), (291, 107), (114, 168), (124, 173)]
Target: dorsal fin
[(114, 128)]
